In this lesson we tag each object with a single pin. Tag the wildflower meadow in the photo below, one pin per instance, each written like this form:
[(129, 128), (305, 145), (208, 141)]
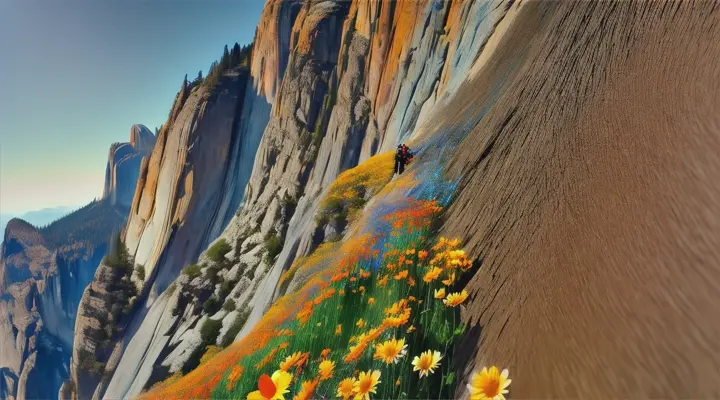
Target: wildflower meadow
[(378, 317)]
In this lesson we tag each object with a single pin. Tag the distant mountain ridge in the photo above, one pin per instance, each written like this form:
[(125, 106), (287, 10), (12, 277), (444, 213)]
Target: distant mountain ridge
[(38, 218), (47, 259)]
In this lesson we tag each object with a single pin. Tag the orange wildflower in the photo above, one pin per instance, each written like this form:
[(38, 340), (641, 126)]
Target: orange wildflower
[(432, 274), (382, 282), (371, 301), (235, 374), (450, 280), (284, 345), (360, 323), (306, 391), (324, 354), (353, 279), (338, 330), (397, 307), (293, 360), (364, 274), (422, 254), (401, 275), (398, 320), (411, 281)]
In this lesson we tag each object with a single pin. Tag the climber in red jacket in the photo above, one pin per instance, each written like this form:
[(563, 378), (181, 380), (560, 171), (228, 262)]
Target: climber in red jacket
[(403, 156)]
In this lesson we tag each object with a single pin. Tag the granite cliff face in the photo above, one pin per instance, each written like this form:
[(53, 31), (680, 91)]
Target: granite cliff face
[(123, 166), (346, 80)]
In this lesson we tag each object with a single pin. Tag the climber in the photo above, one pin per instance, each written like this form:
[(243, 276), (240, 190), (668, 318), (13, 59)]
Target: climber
[(399, 162), (408, 154), (402, 157)]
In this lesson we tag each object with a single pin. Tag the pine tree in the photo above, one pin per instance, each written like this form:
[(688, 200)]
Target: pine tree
[(225, 60), (235, 55)]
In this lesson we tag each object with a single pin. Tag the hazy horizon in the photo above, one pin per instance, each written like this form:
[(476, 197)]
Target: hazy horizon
[(77, 75)]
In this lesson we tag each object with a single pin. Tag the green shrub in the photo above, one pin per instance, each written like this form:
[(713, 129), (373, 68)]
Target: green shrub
[(236, 326), (225, 289), (218, 251), (212, 274), (192, 270), (211, 305), (210, 330), (229, 305), (273, 247)]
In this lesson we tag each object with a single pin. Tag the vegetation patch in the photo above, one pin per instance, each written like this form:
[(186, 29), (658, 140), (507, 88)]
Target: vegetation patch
[(218, 251), (210, 330), (349, 193), (192, 270)]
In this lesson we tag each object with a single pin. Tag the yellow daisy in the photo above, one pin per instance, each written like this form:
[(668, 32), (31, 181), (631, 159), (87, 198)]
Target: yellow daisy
[(346, 388), (440, 294), (455, 299), (360, 323), (366, 384), (390, 351), (326, 369), (272, 388), (489, 384), (427, 362)]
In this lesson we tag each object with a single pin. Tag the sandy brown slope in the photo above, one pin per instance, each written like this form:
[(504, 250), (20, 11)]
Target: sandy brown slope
[(591, 190)]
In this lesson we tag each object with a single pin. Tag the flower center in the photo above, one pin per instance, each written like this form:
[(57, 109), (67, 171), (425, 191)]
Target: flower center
[(491, 387), (425, 363)]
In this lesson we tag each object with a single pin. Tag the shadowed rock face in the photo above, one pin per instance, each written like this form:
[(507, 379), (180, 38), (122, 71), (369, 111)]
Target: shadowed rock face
[(589, 190)]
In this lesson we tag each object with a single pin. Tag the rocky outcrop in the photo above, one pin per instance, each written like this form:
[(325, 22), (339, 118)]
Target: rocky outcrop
[(187, 193), (43, 273), (123, 166)]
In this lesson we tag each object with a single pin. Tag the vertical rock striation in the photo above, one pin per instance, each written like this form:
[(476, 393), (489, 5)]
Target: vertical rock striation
[(123, 166)]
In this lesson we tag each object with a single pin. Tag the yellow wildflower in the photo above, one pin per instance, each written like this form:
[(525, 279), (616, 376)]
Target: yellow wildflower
[(325, 369), (432, 274), (346, 388), (427, 362), (455, 299), (390, 351), (489, 384), (367, 383)]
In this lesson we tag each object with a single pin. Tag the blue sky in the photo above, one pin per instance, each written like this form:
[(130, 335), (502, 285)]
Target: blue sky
[(75, 75)]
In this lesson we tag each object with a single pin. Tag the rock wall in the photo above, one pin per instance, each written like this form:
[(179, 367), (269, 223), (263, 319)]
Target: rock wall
[(588, 190), (123, 166), (190, 190)]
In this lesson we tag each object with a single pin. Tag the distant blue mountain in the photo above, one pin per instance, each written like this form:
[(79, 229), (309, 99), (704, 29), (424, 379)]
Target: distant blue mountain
[(38, 218)]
